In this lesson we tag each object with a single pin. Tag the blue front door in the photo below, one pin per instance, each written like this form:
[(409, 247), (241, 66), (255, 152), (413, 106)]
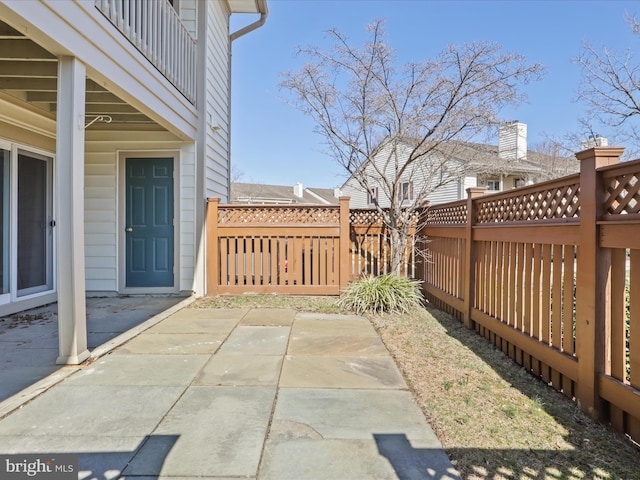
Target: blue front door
[(149, 222)]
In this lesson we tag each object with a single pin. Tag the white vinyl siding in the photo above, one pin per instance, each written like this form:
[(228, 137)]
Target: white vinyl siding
[(102, 198), (444, 187), (188, 14), (446, 193), (216, 168)]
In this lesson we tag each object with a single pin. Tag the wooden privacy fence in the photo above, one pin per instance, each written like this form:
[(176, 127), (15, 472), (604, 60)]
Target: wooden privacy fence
[(294, 249), (546, 274), (277, 249), (370, 245)]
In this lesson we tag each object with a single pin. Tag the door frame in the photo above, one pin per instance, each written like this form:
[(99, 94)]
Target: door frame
[(121, 222)]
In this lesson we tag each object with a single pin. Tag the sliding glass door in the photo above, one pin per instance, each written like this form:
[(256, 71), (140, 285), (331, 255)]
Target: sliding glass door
[(34, 224), (5, 218)]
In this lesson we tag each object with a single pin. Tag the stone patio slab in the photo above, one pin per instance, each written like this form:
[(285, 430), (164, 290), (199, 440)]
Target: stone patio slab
[(221, 432), (251, 340), (181, 324), (92, 410), (211, 313), (312, 371), (349, 414), (327, 316), (140, 370), (359, 327), (350, 459), (245, 370), (99, 458), (324, 460), (336, 345), (269, 316), (172, 343)]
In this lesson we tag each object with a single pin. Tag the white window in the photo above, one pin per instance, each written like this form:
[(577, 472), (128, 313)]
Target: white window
[(405, 193), (493, 185), (372, 196)]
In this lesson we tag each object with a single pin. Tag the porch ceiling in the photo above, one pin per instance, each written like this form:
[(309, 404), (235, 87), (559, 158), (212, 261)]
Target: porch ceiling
[(29, 74)]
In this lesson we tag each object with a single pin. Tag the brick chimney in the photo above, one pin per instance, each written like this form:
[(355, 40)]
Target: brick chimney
[(512, 141), (594, 141)]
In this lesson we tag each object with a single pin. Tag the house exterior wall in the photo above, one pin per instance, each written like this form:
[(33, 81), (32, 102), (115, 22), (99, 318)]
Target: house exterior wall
[(444, 187), (188, 11), (216, 116), (103, 196)]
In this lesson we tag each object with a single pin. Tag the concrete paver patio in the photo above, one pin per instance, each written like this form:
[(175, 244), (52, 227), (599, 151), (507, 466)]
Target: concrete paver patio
[(236, 393)]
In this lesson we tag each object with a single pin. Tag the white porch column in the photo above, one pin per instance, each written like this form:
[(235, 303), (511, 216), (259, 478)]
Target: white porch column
[(69, 195)]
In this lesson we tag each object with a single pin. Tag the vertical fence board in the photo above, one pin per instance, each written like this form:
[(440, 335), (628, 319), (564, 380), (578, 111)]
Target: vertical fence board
[(567, 308), (513, 252), (616, 351), (519, 317), (528, 287), (500, 310), (546, 294), (537, 297), (634, 318), (556, 299)]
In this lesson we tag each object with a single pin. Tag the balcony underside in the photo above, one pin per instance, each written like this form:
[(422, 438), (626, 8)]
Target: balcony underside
[(29, 74)]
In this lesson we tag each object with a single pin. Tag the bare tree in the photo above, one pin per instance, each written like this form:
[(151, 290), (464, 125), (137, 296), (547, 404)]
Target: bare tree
[(366, 106), (610, 87), (554, 158)]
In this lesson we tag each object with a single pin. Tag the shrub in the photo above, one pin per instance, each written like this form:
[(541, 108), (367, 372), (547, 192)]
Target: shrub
[(385, 293)]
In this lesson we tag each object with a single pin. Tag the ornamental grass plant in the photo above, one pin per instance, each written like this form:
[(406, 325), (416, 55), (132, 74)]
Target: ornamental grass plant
[(382, 294)]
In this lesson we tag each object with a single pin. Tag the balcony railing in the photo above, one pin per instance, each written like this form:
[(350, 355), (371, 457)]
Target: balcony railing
[(155, 29)]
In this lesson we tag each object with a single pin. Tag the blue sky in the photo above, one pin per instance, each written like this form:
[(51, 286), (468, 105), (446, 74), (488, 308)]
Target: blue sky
[(275, 144)]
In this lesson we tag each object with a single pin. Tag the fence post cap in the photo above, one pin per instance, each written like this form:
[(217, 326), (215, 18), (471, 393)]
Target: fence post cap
[(473, 192), (600, 152)]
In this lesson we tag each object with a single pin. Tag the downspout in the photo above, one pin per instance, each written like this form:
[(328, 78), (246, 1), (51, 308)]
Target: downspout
[(264, 12)]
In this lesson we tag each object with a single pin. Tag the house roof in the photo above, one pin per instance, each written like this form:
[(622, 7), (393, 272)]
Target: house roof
[(485, 159), (259, 193)]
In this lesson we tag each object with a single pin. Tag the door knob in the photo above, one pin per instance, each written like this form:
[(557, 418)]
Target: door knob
[(128, 229)]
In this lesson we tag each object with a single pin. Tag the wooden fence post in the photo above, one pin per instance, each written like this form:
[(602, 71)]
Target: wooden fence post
[(593, 279), (469, 272), (212, 264), (345, 240)]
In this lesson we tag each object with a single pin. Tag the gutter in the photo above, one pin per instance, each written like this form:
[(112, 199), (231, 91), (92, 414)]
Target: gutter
[(264, 12)]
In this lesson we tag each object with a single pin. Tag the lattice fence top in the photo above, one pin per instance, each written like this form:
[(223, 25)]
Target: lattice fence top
[(267, 215), (555, 202), (365, 217), (447, 214), (622, 195), (371, 216)]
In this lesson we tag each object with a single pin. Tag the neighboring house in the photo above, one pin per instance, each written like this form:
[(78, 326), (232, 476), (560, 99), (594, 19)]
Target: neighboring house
[(114, 129), (447, 174), (261, 194)]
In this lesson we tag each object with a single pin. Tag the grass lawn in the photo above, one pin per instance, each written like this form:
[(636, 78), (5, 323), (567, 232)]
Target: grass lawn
[(494, 419)]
